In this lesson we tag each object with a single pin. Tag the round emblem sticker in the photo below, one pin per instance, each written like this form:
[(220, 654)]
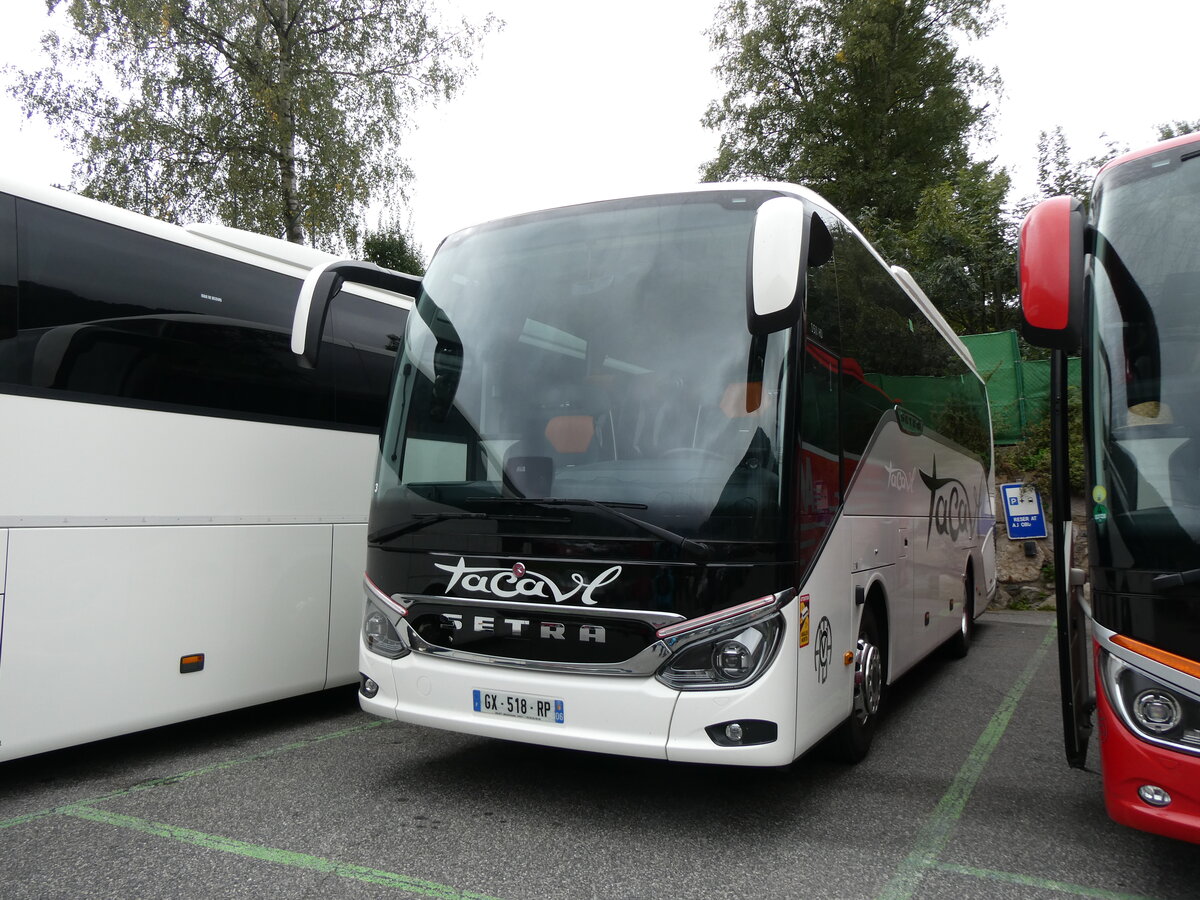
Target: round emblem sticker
[(823, 651), (1099, 493)]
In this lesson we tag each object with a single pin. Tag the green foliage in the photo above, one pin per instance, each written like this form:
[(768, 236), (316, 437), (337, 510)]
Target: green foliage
[(868, 102), (277, 116), (961, 249), (1025, 602), (392, 247), (1060, 174), (872, 104), (1030, 462), (1169, 130)]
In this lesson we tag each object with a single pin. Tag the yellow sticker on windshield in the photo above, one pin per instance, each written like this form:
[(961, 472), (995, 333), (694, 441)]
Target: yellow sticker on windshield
[(804, 621)]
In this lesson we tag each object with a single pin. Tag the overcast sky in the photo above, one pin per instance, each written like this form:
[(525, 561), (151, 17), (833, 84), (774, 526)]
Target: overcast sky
[(583, 100)]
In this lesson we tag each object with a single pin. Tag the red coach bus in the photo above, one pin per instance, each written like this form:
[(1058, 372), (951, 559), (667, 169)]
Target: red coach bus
[(1121, 283)]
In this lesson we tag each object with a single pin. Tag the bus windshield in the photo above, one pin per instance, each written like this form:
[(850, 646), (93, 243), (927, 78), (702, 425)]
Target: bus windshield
[(1146, 364), (596, 353)]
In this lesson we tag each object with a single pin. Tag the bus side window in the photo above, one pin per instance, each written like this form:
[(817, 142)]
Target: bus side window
[(820, 448), (10, 352), (821, 318), (900, 359), (109, 314), (361, 341), (8, 273), (870, 341)]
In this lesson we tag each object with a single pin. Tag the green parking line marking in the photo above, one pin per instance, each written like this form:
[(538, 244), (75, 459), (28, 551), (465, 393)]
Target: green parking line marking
[(193, 773), (290, 858), (935, 834), (1046, 884)]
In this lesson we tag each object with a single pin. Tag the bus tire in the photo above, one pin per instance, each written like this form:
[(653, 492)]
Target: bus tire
[(959, 645), (852, 740)]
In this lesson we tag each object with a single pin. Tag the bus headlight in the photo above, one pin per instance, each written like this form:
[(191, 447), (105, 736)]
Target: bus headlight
[(1154, 710), (1157, 711), (729, 660), (734, 660), (380, 635)]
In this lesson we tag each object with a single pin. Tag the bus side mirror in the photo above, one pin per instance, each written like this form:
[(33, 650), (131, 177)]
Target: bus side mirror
[(778, 253), (1050, 255), (323, 284)]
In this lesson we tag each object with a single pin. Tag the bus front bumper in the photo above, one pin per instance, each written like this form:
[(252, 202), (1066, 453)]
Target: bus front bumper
[(627, 716), (1130, 764)]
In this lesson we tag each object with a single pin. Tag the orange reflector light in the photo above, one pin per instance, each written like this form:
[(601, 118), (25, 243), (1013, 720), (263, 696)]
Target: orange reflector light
[(192, 663), (1178, 663)]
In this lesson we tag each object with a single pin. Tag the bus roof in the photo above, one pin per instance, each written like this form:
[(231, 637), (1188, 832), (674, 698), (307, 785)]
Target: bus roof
[(1182, 140), (260, 250), (901, 275)]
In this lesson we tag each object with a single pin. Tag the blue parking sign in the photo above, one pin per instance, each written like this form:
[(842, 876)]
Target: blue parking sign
[(1022, 512)]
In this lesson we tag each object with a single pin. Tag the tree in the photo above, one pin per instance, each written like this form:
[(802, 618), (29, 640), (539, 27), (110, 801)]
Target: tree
[(1057, 173), (393, 247), (962, 250), (278, 116), (1060, 174), (1178, 128), (868, 101)]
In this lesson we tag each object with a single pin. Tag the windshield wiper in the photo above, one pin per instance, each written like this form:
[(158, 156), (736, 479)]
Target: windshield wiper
[(384, 535), (696, 548), (1170, 580), (421, 520)]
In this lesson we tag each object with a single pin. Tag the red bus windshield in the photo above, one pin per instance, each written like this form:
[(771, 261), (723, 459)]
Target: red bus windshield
[(1145, 363)]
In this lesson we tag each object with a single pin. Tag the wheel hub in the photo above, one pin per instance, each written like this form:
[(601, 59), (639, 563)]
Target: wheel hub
[(868, 680)]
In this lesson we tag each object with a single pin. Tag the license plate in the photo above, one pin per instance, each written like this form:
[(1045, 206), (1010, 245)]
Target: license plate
[(519, 706)]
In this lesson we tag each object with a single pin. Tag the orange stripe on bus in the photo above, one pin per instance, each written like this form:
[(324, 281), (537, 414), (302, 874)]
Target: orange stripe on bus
[(1179, 663)]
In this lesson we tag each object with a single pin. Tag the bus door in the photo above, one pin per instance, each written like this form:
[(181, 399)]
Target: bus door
[(904, 599), (3, 577), (1078, 699), (1051, 255)]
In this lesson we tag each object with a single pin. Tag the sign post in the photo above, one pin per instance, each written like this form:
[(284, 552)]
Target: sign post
[(1023, 512)]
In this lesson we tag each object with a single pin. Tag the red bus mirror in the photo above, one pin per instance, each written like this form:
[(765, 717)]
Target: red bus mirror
[(1051, 268)]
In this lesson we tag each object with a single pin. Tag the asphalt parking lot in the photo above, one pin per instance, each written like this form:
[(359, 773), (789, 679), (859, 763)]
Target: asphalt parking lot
[(965, 794)]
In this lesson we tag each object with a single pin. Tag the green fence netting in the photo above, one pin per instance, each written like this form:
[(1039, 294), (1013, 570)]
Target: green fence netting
[(1018, 390), (1036, 373)]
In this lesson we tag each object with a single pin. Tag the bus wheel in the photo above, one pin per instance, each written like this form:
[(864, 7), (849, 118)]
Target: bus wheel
[(959, 645), (853, 737)]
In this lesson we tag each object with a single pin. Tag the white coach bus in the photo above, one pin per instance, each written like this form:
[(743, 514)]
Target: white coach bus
[(182, 506), (691, 476)]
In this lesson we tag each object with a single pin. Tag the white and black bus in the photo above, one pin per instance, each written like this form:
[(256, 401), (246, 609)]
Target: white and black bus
[(690, 476), (182, 506)]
